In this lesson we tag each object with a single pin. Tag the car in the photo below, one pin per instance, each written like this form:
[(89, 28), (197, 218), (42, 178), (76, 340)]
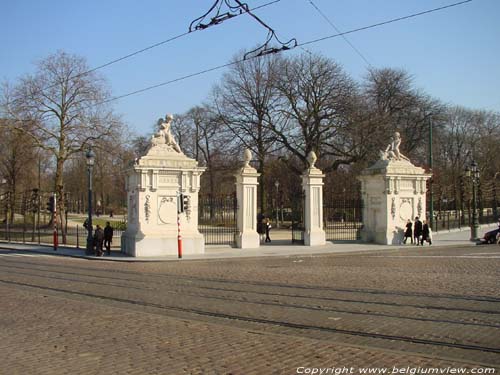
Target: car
[(491, 236)]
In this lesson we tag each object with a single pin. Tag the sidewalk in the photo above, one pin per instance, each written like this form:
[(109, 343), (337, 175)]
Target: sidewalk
[(276, 248)]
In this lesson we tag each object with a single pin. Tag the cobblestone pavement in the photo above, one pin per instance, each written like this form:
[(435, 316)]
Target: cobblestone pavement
[(405, 310)]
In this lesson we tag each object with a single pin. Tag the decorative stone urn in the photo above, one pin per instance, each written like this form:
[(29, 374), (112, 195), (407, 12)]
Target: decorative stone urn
[(156, 184), (393, 192)]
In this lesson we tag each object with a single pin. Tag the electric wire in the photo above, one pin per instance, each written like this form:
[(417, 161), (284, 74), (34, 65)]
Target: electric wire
[(385, 22), (327, 19), (300, 45), (142, 50)]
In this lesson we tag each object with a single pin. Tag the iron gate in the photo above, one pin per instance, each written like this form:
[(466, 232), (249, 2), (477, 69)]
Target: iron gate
[(298, 205), (217, 218), (342, 217)]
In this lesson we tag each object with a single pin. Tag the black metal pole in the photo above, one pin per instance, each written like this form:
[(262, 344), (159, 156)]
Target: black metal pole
[(90, 241), (431, 197), (474, 226)]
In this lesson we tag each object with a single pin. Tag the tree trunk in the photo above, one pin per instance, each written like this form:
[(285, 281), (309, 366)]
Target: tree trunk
[(59, 189)]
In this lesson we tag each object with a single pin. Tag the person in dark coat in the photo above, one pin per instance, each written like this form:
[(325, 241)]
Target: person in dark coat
[(260, 227), (98, 240), (108, 237), (417, 232), (426, 234), (408, 231)]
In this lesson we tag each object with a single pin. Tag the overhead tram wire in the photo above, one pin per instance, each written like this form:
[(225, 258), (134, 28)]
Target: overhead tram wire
[(280, 50), (385, 22), (155, 45), (327, 19)]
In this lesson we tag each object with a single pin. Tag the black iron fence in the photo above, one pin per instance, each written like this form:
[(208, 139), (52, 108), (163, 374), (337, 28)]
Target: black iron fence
[(25, 218), (342, 217), (456, 219), (75, 235), (217, 218), (297, 218)]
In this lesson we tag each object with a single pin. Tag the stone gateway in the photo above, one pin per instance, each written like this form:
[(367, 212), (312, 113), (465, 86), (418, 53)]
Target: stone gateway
[(155, 184)]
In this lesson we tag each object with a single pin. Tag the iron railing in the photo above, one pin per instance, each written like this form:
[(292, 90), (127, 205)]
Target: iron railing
[(217, 218), (342, 218)]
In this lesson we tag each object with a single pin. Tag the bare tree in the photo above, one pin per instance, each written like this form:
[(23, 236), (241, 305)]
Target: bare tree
[(17, 158), (394, 104), (315, 111), (65, 108), (244, 101)]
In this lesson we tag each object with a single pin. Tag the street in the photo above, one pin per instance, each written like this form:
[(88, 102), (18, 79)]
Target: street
[(420, 307)]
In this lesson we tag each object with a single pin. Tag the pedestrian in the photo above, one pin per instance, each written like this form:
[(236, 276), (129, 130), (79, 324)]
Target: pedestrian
[(108, 237), (260, 227), (426, 234), (268, 228), (417, 232), (408, 231), (98, 240)]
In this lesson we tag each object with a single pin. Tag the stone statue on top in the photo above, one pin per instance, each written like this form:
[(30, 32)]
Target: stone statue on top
[(164, 135), (392, 150)]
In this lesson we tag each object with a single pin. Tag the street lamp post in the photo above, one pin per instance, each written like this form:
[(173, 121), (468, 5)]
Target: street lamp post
[(473, 173), (277, 185), (495, 202), (90, 165), (431, 196)]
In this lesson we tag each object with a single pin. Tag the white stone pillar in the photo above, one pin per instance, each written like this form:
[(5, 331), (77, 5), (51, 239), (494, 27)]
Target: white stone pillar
[(312, 184), (154, 183), (246, 193), (393, 192)]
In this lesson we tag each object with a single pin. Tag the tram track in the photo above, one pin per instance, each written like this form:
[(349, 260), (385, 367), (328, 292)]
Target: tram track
[(256, 320), (284, 286), (265, 303)]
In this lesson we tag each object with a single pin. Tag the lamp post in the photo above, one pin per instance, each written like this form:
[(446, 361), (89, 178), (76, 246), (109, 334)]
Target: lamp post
[(90, 165), (431, 196), (277, 185), (495, 203), (473, 174)]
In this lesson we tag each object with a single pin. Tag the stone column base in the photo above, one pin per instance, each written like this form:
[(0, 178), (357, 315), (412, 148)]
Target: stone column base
[(152, 246), (316, 238), (247, 240)]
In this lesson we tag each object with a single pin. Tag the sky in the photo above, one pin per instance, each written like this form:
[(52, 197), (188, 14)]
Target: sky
[(452, 55)]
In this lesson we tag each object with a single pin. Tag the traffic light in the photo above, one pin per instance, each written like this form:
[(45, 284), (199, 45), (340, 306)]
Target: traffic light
[(180, 203), (50, 204)]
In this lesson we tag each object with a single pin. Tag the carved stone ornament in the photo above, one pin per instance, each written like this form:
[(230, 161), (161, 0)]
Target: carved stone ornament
[(393, 208), (247, 157), (163, 136), (392, 150), (419, 207), (147, 208), (311, 159)]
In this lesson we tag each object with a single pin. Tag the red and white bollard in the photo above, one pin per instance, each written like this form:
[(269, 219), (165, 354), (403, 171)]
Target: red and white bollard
[(55, 223), (179, 238)]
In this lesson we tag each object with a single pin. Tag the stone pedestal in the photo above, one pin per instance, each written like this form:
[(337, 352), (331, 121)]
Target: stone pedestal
[(312, 184), (393, 191), (246, 193), (154, 186)]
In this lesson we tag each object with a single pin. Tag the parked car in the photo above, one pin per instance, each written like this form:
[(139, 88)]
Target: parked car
[(490, 237)]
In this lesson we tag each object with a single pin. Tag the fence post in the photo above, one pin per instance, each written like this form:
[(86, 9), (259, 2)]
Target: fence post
[(77, 237)]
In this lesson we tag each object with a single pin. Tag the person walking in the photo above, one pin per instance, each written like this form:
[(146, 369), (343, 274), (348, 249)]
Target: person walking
[(261, 227), (417, 232), (426, 234), (108, 237), (268, 228), (98, 239), (408, 231)]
